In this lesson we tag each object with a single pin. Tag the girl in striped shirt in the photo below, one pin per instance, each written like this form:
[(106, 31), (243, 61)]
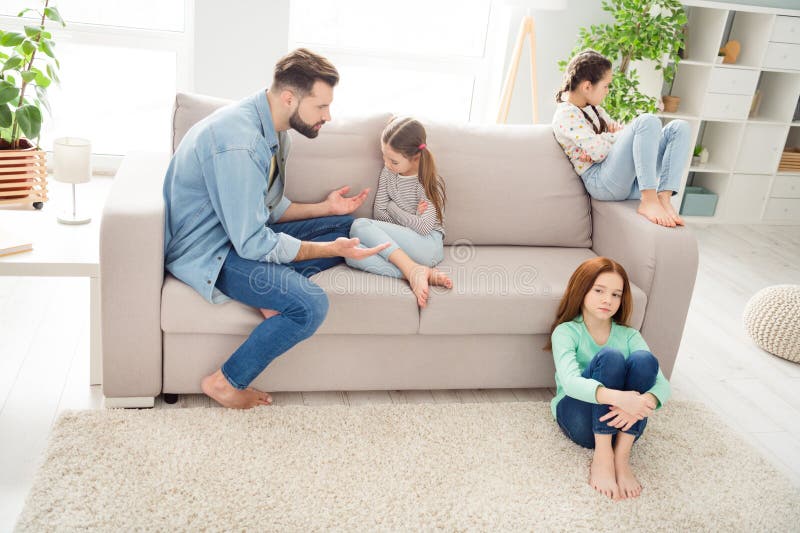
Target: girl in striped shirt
[(640, 161), (408, 212)]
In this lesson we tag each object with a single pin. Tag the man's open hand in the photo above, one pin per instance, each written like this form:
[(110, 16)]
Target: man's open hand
[(345, 247), (339, 205)]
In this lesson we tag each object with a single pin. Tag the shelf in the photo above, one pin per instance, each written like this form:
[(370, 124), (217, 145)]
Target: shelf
[(752, 30), (724, 120), (681, 116), (762, 120), (709, 168), (744, 150)]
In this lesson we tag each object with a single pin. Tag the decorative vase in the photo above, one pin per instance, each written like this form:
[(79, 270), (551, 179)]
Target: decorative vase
[(23, 176)]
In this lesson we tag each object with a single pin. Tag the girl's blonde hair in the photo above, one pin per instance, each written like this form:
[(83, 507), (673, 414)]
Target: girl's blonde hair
[(581, 282), (590, 66), (407, 137)]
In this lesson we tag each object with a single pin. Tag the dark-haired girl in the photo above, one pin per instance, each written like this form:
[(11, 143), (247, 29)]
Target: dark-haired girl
[(608, 383), (642, 160)]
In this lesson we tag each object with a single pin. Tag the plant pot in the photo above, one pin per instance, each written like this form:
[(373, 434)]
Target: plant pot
[(671, 103), (695, 160), (23, 175)]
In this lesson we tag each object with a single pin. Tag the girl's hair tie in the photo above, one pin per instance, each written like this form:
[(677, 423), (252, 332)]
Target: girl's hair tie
[(422, 146)]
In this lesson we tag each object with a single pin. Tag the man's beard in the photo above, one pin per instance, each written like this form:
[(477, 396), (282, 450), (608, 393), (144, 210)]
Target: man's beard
[(302, 127)]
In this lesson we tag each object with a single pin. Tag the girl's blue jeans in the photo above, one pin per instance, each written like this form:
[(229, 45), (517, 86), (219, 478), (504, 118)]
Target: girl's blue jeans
[(426, 250), (644, 157), (580, 421), (285, 288)]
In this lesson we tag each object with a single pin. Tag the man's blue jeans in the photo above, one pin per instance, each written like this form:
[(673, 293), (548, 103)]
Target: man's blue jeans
[(581, 420), (302, 304)]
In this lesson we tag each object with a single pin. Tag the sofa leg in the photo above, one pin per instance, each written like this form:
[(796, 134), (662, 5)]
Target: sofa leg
[(170, 398)]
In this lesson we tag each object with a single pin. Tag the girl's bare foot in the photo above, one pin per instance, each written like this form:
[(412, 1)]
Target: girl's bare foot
[(654, 212), (667, 205), (217, 388), (435, 277), (629, 486), (601, 473), (268, 313), (418, 279)]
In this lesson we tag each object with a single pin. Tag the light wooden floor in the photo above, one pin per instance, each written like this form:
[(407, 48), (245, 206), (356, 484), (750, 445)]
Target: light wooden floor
[(44, 359)]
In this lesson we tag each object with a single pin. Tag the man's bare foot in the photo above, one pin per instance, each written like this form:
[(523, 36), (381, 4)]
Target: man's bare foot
[(217, 388), (268, 313), (601, 473), (435, 277), (663, 199), (629, 486), (654, 212), (418, 279)]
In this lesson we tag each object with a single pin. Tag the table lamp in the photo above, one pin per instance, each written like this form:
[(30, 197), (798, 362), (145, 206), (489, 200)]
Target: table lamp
[(526, 29), (72, 163)]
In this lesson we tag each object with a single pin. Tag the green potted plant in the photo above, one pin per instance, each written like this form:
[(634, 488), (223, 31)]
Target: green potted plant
[(642, 30), (28, 66)]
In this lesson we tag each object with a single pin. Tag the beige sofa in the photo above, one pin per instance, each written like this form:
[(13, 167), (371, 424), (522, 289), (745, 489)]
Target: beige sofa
[(518, 223)]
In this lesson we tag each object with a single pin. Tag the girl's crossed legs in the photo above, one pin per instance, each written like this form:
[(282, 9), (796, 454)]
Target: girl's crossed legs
[(411, 256), (646, 163)]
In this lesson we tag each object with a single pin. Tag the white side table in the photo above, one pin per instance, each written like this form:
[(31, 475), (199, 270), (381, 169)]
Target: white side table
[(62, 250)]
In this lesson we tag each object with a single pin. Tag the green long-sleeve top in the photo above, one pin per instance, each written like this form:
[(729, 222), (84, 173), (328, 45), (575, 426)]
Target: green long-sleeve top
[(574, 348)]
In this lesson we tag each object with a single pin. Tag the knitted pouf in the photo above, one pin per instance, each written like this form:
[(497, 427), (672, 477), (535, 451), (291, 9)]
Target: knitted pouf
[(772, 318)]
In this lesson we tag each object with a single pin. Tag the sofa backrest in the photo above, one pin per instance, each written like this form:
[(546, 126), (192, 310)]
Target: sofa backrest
[(506, 185)]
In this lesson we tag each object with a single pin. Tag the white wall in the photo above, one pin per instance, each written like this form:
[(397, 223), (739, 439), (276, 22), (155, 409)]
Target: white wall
[(556, 35), (236, 45)]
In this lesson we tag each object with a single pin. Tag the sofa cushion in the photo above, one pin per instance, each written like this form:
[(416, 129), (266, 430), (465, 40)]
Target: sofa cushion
[(506, 289), (509, 185), (346, 152), (505, 184), (190, 109), (360, 303)]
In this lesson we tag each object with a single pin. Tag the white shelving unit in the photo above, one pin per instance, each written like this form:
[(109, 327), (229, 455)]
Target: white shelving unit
[(716, 99)]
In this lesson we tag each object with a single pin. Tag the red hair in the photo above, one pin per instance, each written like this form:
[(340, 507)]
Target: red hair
[(581, 282)]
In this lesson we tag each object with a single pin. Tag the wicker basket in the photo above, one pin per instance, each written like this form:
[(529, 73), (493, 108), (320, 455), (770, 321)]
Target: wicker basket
[(23, 177)]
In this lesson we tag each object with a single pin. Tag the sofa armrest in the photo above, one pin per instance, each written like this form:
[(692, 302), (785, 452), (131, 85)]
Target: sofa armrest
[(661, 261), (131, 276)]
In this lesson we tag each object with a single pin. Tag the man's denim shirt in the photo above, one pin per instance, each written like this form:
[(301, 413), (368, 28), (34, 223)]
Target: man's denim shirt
[(216, 195)]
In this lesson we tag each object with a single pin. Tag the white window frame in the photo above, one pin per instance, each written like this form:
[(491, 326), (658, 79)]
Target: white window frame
[(181, 43), (486, 69)]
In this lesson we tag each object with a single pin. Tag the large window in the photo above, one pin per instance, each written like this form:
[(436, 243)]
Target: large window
[(428, 58), (120, 69)]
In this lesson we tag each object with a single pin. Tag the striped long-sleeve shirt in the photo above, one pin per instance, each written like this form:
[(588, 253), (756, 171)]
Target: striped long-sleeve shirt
[(397, 199)]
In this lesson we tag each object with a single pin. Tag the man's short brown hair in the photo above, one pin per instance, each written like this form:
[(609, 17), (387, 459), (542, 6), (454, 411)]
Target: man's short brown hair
[(300, 69)]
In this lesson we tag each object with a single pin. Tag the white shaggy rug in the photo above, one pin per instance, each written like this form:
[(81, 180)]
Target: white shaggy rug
[(489, 467)]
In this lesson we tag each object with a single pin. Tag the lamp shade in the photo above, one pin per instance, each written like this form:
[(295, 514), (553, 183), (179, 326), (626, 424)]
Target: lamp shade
[(72, 160)]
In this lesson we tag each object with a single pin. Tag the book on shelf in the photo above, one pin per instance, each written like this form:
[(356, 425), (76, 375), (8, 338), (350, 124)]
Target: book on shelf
[(13, 244)]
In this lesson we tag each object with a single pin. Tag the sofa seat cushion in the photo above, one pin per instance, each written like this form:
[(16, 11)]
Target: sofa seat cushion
[(506, 289), (360, 303)]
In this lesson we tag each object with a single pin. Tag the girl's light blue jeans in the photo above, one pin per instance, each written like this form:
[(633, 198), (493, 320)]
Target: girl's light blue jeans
[(426, 250), (644, 157)]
